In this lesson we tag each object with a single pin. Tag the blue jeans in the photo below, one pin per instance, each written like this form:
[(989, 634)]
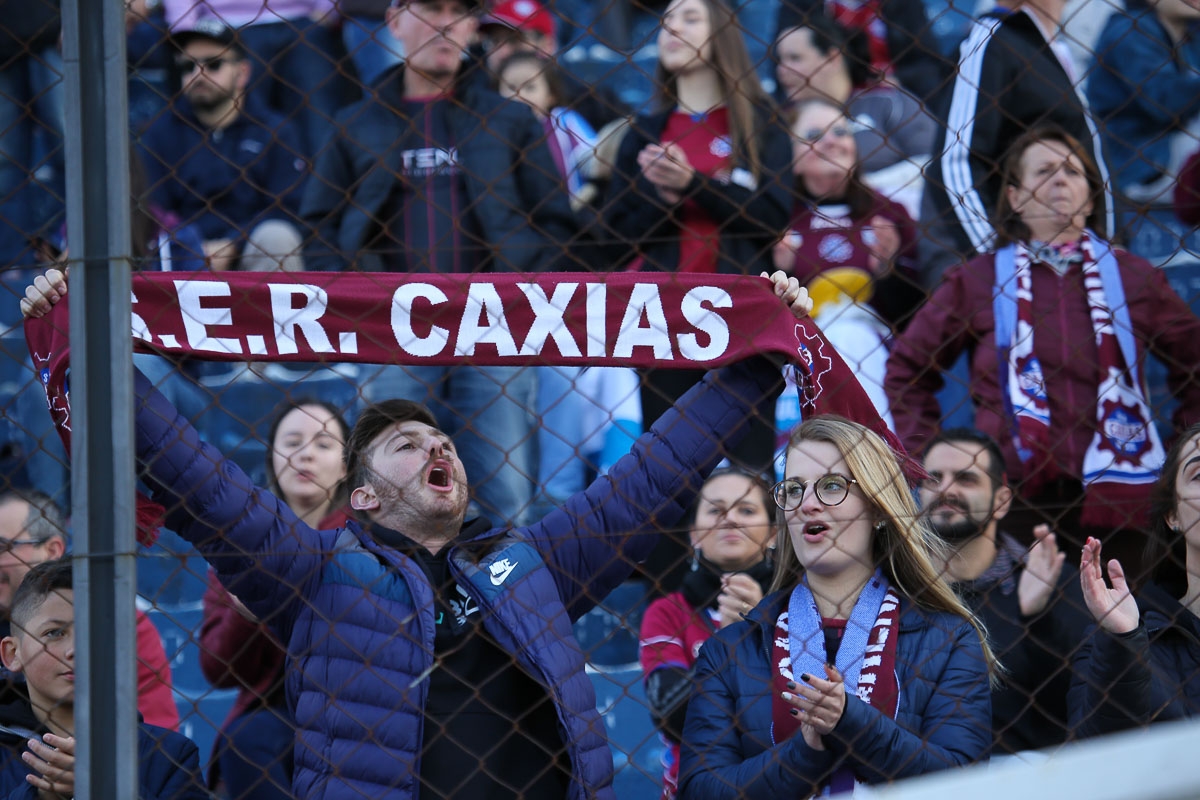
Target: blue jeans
[(296, 73), (1155, 233), (371, 46), (488, 413), (255, 753), (31, 152), (562, 470)]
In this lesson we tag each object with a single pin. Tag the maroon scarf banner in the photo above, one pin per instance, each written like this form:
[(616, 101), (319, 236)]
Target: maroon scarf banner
[(617, 319), (485, 320)]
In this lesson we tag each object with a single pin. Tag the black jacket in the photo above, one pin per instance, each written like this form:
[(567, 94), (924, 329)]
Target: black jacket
[(1149, 675), (229, 181), (636, 221), (517, 200), (1009, 80), (1029, 708), (28, 27)]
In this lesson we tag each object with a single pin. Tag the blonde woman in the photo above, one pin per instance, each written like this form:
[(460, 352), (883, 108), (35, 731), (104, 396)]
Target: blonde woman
[(862, 666)]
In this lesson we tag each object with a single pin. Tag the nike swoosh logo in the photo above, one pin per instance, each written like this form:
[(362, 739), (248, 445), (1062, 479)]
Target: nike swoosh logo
[(503, 576)]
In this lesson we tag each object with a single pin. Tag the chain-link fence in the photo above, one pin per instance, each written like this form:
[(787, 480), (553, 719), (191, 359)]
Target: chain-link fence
[(474, 252)]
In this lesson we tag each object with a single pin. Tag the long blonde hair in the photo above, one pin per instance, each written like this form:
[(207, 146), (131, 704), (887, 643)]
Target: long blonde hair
[(904, 546)]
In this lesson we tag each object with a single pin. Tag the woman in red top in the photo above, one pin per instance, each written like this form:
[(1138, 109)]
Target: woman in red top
[(732, 535), (696, 185), (838, 221), (698, 188), (253, 753)]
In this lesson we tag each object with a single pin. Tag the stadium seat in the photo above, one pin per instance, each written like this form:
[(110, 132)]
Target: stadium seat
[(171, 573), (636, 747), (955, 396), (201, 715), (608, 634), (1183, 273), (12, 289), (239, 416), (180, 630)]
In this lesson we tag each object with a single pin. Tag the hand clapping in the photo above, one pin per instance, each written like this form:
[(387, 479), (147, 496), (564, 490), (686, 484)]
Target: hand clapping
[(667, 168), (819, 704), (53, 763), (739, 594), (1042, 570), (1114, 609)]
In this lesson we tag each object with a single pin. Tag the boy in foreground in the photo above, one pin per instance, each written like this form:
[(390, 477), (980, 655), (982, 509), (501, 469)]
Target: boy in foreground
[(42, 648)]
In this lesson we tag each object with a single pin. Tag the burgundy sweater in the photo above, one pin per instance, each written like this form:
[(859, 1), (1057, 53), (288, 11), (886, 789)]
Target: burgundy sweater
[(958, 317)]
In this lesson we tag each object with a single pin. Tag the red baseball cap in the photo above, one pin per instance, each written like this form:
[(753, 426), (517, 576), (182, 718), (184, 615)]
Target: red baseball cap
[(525, 15)]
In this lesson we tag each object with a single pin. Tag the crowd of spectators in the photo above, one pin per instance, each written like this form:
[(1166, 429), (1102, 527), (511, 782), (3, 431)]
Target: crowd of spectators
[(941, 202)]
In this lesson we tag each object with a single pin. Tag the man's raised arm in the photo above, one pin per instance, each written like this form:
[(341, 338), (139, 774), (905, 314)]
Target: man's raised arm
[(262, 552)]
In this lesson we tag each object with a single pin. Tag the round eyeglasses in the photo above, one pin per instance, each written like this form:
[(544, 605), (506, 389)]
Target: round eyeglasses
[(831, 490)]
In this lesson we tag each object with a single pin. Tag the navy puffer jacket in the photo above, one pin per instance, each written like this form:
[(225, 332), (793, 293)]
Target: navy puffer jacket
[(944, 717), (358, 617)]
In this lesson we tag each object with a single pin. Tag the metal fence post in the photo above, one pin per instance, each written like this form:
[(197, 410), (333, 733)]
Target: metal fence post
[(98, 215)]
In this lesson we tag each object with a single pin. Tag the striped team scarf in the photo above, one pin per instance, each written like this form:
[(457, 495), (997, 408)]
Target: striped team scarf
[(1126, 453), (866, 658)]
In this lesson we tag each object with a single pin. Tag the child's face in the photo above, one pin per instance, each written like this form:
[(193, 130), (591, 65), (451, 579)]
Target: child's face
[(45, 652), (525, 81)]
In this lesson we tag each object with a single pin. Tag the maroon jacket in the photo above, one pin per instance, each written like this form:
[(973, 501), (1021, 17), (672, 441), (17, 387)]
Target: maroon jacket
[(959, 317), (827, 242)]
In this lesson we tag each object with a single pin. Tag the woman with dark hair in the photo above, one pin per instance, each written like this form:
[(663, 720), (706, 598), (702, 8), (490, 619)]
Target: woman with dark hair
[(732, 531), (1057, 324), (536, 82), (891, 38), (838, 222), (816, 59), (1142, 662), (306, 469), (863, 665), (698, 184)]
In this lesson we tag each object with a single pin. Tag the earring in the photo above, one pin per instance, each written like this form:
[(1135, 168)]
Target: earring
[(881, 525)]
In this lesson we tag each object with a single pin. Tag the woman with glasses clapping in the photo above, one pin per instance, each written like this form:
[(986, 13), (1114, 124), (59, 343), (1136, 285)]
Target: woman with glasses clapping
[(861, 666)]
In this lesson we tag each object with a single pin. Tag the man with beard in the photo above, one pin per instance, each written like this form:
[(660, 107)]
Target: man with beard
[(431, 653), (222, 161), (1029, 599)]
